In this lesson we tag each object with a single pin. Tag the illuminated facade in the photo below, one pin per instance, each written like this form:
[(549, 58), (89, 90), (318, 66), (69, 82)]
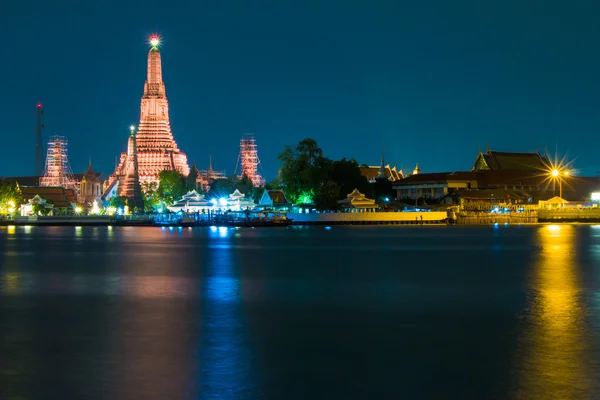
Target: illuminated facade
[(248, 160), (155, 146), (58, 171), (90, 188)]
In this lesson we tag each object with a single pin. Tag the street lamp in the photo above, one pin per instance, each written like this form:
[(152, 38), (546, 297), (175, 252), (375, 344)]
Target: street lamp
[(559, 175)]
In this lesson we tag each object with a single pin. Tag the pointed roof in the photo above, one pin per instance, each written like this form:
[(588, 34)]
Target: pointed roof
[(357, 200), (382, 172), (236, 195), (90, 170)]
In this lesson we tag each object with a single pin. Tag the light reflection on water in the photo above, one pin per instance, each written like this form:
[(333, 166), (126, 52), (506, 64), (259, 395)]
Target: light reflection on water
[(555, 361), (351, 312)]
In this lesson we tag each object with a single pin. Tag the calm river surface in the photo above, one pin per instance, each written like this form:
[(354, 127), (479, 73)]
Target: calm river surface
[(300, 313)]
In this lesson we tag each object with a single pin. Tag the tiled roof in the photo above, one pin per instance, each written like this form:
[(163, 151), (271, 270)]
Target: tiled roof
[(60, 197), (498, 160), (371, 173), (277, 196)]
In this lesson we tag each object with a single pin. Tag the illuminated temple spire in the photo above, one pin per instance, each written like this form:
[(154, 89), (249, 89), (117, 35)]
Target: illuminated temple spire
[(129, 183), (155, 146)]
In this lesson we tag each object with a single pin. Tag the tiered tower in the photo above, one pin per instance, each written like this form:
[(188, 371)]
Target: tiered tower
[(156, 149), (248, 160), (58, 171), (129, 181)]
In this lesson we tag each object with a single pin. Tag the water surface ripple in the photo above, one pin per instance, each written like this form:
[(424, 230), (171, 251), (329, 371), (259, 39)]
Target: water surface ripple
[(494, 312)]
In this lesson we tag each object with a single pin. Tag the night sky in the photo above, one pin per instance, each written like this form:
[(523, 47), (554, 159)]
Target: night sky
[(431, 82)]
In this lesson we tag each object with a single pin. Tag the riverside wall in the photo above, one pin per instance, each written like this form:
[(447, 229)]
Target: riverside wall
[(369, 218), (570, 215)]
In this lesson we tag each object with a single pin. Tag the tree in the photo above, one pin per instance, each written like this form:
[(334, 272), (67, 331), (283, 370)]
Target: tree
[(326, 195), (222, 187), (302, 169), (245, 186), (10, 197), (172, 186), (152, 200), (346, 173), (118, 202)]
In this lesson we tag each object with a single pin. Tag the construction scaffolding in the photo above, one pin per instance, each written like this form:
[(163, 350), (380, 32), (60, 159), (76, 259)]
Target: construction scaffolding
[(58, 171), (248, 161)]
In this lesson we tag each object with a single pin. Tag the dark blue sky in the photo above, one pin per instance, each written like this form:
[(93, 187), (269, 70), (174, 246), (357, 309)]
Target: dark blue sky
[(432, 82)]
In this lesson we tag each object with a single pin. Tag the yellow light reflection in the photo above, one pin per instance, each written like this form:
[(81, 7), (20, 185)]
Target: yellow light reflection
[(10, 283), (554, 347), (11, 229)]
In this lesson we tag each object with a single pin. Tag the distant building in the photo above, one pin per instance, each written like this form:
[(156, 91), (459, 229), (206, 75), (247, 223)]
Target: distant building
[(89, 186), (382, 171), (205, 177)]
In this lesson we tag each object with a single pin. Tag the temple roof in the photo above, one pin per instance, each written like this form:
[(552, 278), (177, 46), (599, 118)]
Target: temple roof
[(277, 196), (372, 173), (60, 197), (497, 160), (357, 200)]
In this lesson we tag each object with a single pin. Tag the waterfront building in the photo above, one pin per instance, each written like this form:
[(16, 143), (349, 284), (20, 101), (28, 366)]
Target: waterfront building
[(193, 202), (155, 146), (273, 199), (237, 201), (511, 177), (63, 200), (357, 202), (434, 185), (512, 161)]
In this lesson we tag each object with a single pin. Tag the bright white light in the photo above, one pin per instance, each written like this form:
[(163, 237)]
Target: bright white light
[(214, 201), (554, 172), (78, 210), (132, 128), (223, 201), (160, 210), (554, 228), (596, 196)]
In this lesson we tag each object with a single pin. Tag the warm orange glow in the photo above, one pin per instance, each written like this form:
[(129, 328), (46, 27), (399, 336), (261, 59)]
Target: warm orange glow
[(554, 354), (554, 172)]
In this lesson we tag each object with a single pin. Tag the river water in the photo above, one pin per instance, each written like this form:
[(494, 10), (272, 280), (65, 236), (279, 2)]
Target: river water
[(494, 312)]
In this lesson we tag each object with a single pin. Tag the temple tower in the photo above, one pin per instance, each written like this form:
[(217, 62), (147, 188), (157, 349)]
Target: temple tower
[(58, 171), (129, 181), (382, 174), (248, 160), (155, 146)]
